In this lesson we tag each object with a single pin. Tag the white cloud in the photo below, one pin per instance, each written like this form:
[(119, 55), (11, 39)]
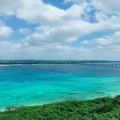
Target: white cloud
[(73, 1), (57, 26), (69, 32), (55, 51), (107, 6), (111, 41), (43, 51), (31, 10), (51, 16), (100, 16), (41, 13), (8, 7), (24, 30), (4, 30), (38, 12)]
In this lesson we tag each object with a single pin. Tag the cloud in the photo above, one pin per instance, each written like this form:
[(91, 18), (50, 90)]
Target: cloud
[(54, 51), (49, 15), (109, 42), (4, 30), (8, 7), (70, 31), (56, 26), (64, 33), (73, 1), (5, 44), (57, 51), (107, 6), (71, 21), (43, 51), (41, 13), (24, 30), (22, 8)]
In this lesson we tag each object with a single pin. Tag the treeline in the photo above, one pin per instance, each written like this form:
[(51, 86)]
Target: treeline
[(98, 109), (50, 61)]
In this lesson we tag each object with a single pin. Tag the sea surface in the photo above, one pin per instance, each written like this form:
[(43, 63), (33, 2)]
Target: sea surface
[(46, 83)]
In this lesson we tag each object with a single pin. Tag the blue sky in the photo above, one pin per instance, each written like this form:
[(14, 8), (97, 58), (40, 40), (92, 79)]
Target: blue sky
[(60, 29)]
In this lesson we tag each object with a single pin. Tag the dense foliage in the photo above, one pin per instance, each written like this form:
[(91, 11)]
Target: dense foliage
[(5, 62), (97, 109)]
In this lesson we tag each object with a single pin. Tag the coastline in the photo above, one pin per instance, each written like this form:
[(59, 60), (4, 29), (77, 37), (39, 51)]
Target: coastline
[(99, 109), (59, 100), (13, 107)]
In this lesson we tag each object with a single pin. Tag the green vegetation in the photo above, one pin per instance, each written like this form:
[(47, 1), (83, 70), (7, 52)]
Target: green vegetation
[(97, 109), (7, 62)]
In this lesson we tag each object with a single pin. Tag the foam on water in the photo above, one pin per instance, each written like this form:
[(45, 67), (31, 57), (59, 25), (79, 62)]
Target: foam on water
[(46, 83)]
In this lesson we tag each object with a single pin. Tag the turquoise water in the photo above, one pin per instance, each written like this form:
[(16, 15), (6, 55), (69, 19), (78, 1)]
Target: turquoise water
[(45, 83)]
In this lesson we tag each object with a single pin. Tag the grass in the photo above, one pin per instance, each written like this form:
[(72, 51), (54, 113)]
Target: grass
[(98, 109)]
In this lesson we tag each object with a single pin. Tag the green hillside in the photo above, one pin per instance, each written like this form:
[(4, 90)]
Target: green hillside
[(98, 109)]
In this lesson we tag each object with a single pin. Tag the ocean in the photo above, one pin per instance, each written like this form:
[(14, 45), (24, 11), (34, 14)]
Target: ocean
[(36, 84)]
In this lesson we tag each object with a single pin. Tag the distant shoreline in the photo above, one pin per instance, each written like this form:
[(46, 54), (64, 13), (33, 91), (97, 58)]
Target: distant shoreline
[(9, 62)]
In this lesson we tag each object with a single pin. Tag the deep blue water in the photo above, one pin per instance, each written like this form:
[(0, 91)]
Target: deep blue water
[(46, 83)]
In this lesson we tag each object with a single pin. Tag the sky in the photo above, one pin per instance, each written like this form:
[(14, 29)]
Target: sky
[(60, 29)]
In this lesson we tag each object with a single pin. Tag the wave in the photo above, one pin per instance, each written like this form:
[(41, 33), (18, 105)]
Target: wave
[(2, 65)]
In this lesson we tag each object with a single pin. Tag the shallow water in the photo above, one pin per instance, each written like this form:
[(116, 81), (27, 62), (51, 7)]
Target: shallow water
[(46, 83)]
